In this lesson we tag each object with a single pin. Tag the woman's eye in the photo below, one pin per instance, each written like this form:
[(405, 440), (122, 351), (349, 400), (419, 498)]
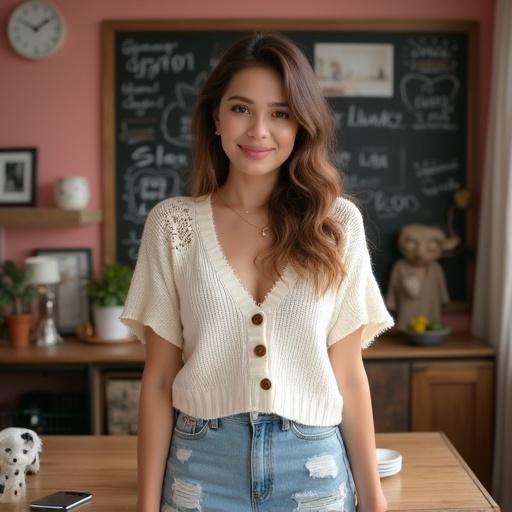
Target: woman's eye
[(282, 115), (240, 109)]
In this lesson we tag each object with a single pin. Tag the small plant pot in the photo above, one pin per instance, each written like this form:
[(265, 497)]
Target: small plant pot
[(18, 328), (107, 325)]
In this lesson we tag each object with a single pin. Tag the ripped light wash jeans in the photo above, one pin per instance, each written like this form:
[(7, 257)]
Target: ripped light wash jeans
[(254, 462)]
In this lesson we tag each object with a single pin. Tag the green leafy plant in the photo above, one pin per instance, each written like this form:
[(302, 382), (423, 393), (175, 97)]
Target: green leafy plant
[(111, 287), (15, 289)]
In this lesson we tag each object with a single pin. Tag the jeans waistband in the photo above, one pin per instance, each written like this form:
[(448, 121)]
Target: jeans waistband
[(252, 417)]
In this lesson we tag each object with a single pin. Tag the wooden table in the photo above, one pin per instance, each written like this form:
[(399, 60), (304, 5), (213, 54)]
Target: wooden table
[(433, 477)]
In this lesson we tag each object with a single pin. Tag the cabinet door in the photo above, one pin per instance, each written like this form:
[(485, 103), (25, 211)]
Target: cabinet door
[(389, 387), (457, 399)]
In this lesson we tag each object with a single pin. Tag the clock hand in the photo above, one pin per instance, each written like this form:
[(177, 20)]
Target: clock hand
[(42, 24), (29, 25)]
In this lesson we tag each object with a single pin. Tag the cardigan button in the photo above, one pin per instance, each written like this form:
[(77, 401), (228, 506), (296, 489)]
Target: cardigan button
[(265, 383), (257, 319), (260, 350)]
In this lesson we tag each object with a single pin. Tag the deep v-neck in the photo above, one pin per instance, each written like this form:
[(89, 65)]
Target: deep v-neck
[(227, 274)]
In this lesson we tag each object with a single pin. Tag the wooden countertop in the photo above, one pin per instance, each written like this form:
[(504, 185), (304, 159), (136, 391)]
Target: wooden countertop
[(73, 351), (433, 476)]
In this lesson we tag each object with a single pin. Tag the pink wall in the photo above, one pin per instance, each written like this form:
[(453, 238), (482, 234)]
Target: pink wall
[(55, 104)]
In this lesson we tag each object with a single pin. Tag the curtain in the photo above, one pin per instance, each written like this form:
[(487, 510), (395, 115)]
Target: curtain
[(492, 307)]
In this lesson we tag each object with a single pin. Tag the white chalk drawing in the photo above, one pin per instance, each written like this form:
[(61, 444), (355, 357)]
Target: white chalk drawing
[(175, 123), (430, 100), (154, 175)]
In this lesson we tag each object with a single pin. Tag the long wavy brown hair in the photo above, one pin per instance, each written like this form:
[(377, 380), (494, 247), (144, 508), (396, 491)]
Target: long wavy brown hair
[(301, 204)]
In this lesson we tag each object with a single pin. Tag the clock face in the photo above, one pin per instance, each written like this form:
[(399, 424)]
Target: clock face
[(36, 29)]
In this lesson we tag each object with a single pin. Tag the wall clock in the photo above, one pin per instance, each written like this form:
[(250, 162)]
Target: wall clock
[(36, 29)]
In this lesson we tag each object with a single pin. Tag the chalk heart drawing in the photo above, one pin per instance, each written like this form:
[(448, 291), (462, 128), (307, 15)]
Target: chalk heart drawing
[(176, 116), (422, 94)]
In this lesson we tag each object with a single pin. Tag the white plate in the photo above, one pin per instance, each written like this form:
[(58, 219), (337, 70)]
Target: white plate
[(385, 456), (390, 472), (389, 464)]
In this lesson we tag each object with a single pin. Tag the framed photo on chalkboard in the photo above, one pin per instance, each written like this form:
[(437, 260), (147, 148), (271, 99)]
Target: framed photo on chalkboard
[(402, 97), (18, 176), (72, 301)]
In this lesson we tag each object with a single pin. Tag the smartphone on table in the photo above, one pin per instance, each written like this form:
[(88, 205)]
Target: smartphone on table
[(61, 500)]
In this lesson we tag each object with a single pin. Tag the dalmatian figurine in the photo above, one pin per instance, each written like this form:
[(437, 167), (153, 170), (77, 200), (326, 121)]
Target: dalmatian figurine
[(19, 455)]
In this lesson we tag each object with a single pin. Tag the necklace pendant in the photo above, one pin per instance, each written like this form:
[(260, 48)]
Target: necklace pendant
[(263, 232)]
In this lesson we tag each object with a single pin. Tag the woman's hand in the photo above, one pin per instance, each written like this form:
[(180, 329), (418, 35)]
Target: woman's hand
[(378, 503)]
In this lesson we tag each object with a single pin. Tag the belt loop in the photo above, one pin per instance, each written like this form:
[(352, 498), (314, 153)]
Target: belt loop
[(175, 415), (214, 423), (286, 424)]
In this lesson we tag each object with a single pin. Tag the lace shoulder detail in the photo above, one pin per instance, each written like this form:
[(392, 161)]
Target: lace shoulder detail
[(176, 221)]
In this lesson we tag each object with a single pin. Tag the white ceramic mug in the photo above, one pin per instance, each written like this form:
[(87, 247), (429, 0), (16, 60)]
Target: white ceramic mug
[(71, 192)]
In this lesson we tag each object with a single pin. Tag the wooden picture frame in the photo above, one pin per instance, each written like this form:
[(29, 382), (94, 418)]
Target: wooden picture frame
[(18, 173)]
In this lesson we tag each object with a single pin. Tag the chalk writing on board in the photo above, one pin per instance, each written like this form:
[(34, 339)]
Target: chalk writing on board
[(389, 205), (155, 173), (139, 98), (136, 135), (429, 187), (430, 100), (359, 117), (427, 167), (176, 116), (431, 54), (149, 60), (436, 177), (145, 187), (370, 166)]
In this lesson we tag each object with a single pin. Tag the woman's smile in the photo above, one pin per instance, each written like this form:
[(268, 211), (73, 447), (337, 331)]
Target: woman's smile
[(255, 152)]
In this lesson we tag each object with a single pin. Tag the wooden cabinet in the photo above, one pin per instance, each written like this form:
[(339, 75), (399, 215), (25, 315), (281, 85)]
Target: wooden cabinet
[(448, 388), (390, 390), (456, 398)]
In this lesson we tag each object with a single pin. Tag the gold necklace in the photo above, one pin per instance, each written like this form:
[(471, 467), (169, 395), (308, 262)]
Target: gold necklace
[(263, 230)]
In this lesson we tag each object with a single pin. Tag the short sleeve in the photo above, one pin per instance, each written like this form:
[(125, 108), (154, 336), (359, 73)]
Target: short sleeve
[(152, 297), (358, 299)]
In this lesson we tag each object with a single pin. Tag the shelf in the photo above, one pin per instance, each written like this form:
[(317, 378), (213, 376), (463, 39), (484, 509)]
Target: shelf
[(48, 217)]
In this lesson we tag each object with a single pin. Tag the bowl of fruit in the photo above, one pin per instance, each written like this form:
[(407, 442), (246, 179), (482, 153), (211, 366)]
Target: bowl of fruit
[(423, 331)]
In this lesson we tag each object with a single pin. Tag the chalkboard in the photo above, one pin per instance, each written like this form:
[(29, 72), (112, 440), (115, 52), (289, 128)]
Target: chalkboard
[(401, 100)]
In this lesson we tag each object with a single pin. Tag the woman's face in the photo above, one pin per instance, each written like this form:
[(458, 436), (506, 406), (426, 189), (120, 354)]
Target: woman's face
[(257, 129)]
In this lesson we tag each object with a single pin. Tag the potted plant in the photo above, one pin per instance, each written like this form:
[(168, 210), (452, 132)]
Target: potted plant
[(16, 292), (107, 294)]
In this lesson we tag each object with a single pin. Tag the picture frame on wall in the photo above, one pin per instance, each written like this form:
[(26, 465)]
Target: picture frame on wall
[(72, 305), (18, 176)]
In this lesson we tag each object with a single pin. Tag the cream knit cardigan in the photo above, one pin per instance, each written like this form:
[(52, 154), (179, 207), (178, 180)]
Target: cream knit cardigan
[(184, 288)]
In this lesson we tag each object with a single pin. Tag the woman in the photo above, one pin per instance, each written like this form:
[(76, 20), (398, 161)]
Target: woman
[(254, 296)]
